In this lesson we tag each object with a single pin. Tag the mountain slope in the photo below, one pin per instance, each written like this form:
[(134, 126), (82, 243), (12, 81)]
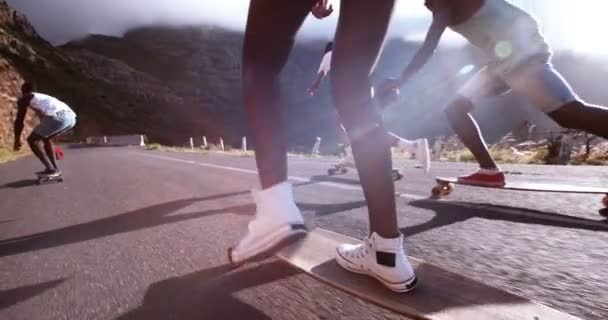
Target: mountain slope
[(173, 83)]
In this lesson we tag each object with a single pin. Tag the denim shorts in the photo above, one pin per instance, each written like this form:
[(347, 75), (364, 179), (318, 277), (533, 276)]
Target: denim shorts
[(51, 126)]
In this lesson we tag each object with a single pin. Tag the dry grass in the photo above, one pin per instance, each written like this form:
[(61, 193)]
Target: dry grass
[(500, 155), (7, 155)]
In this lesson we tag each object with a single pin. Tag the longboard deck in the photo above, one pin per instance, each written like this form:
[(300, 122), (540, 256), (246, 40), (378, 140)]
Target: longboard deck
[(440, 294), (532, 186)]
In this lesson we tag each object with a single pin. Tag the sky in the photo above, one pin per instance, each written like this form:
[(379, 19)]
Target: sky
[(566, 23)]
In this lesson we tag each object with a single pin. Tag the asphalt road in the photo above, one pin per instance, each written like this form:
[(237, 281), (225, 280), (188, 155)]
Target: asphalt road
[(136, 234)]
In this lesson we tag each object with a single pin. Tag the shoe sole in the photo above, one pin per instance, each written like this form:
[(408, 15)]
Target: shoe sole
[(274, 243), (399, 287), (482, 184)]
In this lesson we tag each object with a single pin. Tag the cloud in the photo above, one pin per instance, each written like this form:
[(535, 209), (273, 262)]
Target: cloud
[(566, 23), (63, 20)]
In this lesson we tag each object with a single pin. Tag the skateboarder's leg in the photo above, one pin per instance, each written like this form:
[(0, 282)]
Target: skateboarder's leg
[(465, 126), (356, 48), (550, 92), (265, 51), (587, 117), (34, 140), (483, 84), (49, 148)]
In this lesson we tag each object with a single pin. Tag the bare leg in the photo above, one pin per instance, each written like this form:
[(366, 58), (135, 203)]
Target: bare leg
[(271, 28), (581, 116), (357, 47), (465, 126), (34, 142), (49, 148)]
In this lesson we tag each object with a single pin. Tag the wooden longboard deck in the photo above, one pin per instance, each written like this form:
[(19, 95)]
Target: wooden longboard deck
[(531, 186), (440, 294)]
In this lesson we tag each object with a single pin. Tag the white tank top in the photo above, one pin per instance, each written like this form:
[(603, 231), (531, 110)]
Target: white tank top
[(325, 65), (48, 105)]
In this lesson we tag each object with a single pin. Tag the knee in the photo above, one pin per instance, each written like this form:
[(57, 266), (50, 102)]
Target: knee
[(33, 138), (263, 59), (567, 115), (459, 107)]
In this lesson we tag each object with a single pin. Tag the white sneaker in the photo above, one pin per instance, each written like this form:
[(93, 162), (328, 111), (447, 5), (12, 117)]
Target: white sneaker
[(423, 155), (348, 160), (277, 223), (383, 259), (420, 148)]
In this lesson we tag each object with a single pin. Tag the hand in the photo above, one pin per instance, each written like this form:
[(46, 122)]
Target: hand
[(321, 9), (17, 145)]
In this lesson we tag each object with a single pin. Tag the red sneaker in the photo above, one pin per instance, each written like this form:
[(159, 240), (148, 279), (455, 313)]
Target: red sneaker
[(485, 178)]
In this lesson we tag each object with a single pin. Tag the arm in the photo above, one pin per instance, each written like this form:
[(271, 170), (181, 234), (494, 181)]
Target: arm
[(324, 68), (22, 105), (315, 84), (438, 26)]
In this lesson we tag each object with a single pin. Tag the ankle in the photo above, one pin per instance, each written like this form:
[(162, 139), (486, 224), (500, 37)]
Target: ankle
[(490, 170), (387, 237)]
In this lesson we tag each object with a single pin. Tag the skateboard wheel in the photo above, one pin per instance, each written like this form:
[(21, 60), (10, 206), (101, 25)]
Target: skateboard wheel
[(331, 172), (397, 175), (436, 192), (450, 187), (343, 170)]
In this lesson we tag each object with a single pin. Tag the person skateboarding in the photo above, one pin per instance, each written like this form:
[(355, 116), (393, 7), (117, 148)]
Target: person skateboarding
[(269, 38), (520, 60), (418, 147), (56, 117)]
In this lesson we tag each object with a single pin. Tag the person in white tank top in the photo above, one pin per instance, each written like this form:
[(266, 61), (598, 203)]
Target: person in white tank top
[(47, 105), (520, 61), (56, 117)]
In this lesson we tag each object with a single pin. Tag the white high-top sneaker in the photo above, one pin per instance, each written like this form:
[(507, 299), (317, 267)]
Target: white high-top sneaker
[(420, 148), (277, 223), (383, 259)]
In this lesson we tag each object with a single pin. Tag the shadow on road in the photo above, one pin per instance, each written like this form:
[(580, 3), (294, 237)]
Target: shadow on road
[(336, 179), (447, 213), (19, 184), (143, 218), (207, 294), (321, 210), (11, 297)]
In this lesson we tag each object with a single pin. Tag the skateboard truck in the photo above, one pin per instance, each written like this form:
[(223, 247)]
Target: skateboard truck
[(338, 169), (42, 178)]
